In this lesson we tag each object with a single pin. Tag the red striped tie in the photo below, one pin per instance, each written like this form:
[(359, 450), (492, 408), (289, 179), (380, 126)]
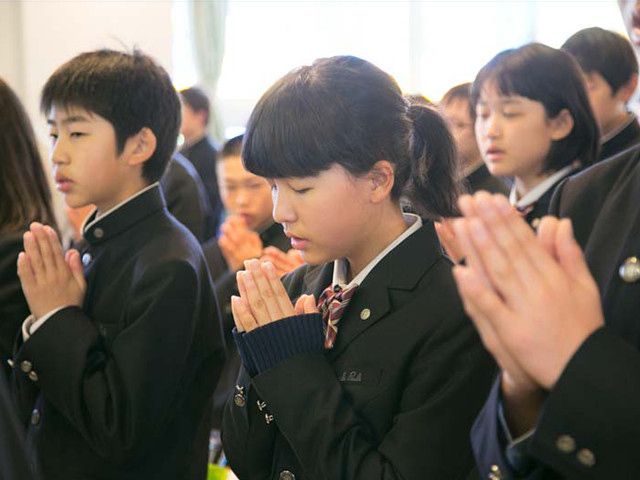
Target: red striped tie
[(331, 304)]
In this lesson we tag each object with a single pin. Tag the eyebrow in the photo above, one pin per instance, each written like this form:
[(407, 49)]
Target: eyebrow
[(68, 120)]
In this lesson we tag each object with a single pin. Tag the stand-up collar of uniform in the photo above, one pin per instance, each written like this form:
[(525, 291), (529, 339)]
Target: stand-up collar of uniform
[(124, 215)]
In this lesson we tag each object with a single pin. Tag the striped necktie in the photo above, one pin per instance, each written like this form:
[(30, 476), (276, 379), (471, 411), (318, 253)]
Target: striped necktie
[(331, 304)]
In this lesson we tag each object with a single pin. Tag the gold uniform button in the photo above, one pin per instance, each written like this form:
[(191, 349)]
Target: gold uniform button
[(566, 444), (98, 232), (629, 271), (365, 314), (586, 457), (26, 366), (239, 400), (286, 475), (33, 376)]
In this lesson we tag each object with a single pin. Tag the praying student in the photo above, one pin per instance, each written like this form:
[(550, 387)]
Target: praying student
[(120, 355), (383, 378), (610, 68), (533, 122), (248, 232)]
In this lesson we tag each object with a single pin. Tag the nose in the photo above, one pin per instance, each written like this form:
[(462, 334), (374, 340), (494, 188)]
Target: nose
[(283, 208), (492, 128), (57, 151)]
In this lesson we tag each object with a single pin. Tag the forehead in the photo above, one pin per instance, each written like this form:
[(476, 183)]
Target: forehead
[(490, 94), (230, 167), (61, 115), (456, 107)]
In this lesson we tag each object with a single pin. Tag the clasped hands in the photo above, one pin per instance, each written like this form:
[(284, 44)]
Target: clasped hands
[(263, 298), (50, 279), (238, 243), (531, 297)]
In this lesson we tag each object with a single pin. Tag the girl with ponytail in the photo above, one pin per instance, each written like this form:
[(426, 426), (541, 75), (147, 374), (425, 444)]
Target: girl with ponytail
[(362, 366)]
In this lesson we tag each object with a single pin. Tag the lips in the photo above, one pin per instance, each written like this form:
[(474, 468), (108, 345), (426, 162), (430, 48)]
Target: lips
[(493, 152), (63, 184), (298, 243)]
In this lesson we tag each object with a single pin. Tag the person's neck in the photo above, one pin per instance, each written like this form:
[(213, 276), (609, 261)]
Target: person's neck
[(386, 227), (195, 137), (123, 194), (471, 165), (616, 123), (526, 183)]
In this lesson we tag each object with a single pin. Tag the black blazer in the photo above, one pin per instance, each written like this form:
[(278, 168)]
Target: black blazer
[(203, 155), (119, 388), (187, 198), (14, 462), (596, 402), (13, 306), (626, 138), (394, 398)]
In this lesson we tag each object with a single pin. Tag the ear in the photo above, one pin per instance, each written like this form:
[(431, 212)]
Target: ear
[(561, 125), (626, 91), (139, 147), (381, 178)]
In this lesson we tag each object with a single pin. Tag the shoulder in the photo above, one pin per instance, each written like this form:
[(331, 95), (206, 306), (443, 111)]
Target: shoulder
[(581, 196)]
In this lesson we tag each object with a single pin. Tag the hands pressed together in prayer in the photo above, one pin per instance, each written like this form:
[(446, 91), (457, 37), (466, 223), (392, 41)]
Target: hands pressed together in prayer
[(50, 278), (239, 243), (263, 298), (531, 297)]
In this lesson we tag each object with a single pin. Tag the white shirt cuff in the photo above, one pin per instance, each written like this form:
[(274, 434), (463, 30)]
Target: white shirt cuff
[(30, 325)]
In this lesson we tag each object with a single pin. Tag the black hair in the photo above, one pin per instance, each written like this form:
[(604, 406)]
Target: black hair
[(553, 78), (197, 101), (233, 147), (24, 191), (130, 90), (605, 52), (459, 92), (344, 110)]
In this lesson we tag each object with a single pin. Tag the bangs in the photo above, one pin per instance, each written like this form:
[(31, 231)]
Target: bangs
[(295, 132)]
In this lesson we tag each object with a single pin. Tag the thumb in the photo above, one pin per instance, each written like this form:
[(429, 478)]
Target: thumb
[(73, 260), (310, 305), (299, 307), (569, 253)]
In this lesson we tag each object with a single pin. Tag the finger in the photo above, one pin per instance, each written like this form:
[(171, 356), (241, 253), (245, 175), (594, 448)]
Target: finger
[(468, 249), (72, 259), (56, 247), (488, 312), (242, 315), (448, 241), (310, 305), (546, 234), (42, 239), (265, 290), (32, 250), (254, 299), (570, 254), (299, 306), (279, 292), (274, 252), (531, 261), (25, 272)]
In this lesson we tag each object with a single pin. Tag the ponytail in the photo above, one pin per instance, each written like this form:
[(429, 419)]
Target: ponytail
[(433, 188)]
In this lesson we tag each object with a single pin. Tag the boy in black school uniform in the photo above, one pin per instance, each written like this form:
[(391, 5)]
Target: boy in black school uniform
[(611, 72), (248, 232), (117, 363)]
